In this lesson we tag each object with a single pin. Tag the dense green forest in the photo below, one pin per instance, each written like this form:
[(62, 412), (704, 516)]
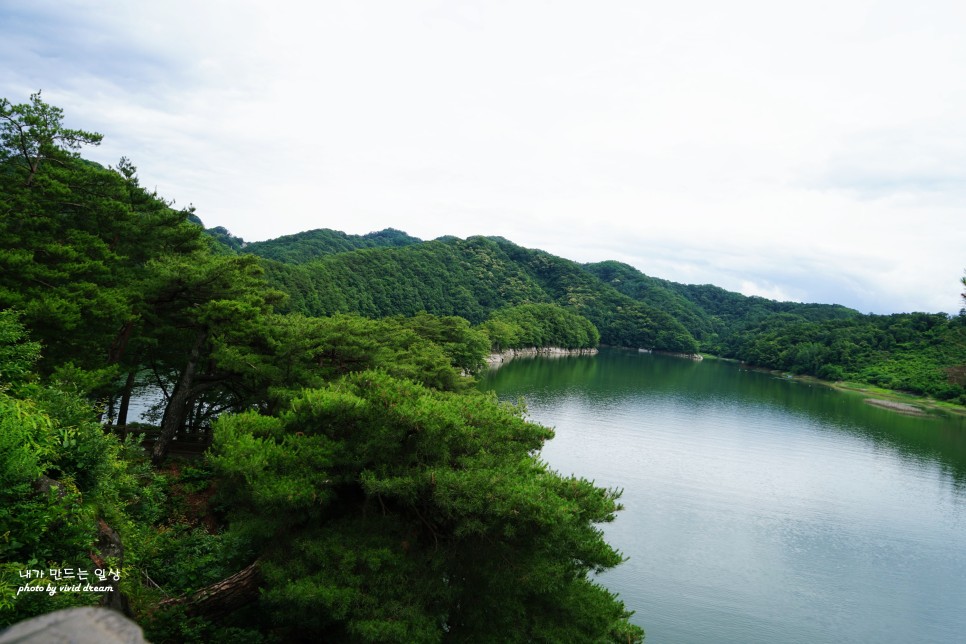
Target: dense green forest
[(476, 278), (356, 486), (312, 244), (921, 353), (472, 278)]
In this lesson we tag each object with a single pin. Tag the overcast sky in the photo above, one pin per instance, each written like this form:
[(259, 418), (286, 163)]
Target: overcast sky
[(811, 151)]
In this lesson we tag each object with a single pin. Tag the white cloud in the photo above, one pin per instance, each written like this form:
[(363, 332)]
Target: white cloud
[(809, 151)]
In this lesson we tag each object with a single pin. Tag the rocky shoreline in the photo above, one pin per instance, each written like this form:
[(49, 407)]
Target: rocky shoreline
[(496, 359)]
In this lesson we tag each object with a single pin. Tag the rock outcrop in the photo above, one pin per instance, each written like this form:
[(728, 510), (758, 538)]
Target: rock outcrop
[(497, 359), (75, 626)]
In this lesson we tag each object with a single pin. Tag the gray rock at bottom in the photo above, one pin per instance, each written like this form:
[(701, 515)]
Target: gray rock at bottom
[(88, 625)]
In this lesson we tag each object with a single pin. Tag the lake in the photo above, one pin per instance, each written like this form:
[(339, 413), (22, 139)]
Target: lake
[(759, 508)]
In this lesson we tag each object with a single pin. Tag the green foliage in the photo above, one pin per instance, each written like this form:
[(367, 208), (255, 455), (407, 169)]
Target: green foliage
[(59, 472), (31, 134), (385, 501), (468, 279), (466, 347), (17, 355), (183, 558), (400, 513), (472, 279), (710, 313), (34, 522), (224, 238), (540, 325), (175, 626), (313, 244), (912, 352), (915, 352), (656, 292), (74, 240), (355, 448), (295, 352)]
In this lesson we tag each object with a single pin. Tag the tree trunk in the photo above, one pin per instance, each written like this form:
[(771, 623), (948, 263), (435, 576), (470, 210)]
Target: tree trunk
[(125, 402), (116, 350), (196, 418), (222, 597), (179, 404), (111, 554)]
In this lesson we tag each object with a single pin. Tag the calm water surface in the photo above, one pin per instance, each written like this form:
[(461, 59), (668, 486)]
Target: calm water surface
[(759, 509)]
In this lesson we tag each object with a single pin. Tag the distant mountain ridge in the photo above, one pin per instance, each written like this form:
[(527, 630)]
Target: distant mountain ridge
[(313, 244), (389, 273), (471, 278), (710, 313)]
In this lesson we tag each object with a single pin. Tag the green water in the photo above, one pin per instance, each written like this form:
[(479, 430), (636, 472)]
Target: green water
[(759, 509)]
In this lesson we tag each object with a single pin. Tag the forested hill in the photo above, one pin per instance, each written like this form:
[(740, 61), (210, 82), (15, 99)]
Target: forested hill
[(921, 353), (312, 244), (472, 278), (396, 274), (710, 313)]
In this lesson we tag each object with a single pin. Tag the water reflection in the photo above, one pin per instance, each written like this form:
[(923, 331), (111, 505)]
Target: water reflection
[(609, 380), (761, 509)]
